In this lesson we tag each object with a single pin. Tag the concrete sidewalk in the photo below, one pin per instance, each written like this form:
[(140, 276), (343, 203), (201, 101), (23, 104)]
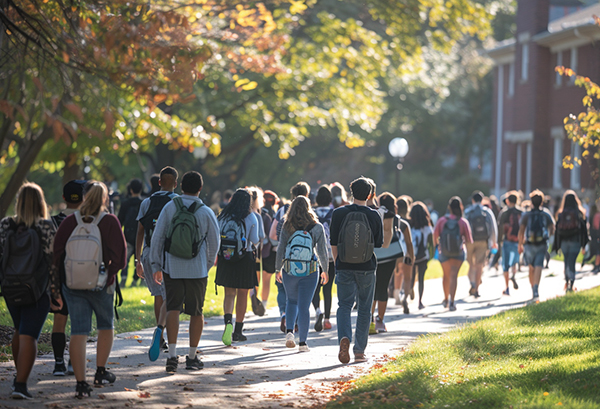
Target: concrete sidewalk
[(262, 372)]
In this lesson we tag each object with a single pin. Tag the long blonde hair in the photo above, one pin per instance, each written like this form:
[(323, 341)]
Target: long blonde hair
[(95, 199), (300, 215), (31, 205)]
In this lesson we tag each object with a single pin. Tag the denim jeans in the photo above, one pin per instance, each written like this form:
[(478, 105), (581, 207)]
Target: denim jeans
[(281, 297), (510, 254), (300, 291), (353, 285), (570, 250)]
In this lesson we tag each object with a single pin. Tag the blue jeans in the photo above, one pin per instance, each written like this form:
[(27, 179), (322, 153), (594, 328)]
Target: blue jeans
[(351, 285), (300, 291), (510, 254), (570, 250), (281, 297), (83, 303)]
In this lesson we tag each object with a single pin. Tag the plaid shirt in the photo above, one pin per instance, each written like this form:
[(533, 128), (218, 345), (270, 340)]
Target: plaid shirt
[(178, 267)]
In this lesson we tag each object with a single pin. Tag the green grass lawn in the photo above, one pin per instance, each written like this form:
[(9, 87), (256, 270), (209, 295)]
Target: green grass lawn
[(541, 356)]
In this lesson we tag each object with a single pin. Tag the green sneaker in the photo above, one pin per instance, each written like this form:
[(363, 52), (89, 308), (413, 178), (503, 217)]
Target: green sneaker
[(227, 334), (372, 330)]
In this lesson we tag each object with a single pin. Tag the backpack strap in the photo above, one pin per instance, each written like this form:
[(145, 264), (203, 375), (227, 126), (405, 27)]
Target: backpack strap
[(118, 297)]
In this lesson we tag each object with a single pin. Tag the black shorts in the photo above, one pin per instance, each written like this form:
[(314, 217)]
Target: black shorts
[(383, 276), (188, 291), (64, 310), (268, 263)]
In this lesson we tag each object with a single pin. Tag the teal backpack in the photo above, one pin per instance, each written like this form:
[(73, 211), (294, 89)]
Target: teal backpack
[(183, 239)]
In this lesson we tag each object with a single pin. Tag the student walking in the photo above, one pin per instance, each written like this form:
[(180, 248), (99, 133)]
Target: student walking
[(404, 267), (450, 235), (128, 219), (324, 212), (571, 233), (91, 245), (536, 227), (236, 263), (72, 195), (386, 262), (183, 248), (302, 246), (355, 231), (422, 239), (257, 203), (148, 214), (594, 221), (484, 231), (26, 275), (509, 221), (269, 251)]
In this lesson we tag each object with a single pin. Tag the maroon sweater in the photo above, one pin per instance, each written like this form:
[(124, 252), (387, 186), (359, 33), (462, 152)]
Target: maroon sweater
[(114, 248)]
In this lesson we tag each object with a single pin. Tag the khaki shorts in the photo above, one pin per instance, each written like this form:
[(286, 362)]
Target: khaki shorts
[(476, 252)]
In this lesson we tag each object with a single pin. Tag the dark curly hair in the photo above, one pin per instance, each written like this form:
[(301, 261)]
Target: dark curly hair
[(238, 207), (419, 215)]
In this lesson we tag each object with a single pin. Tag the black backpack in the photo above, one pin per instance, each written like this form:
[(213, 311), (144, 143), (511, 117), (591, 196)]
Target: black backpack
[(24, 272), (537, 229), (450, 239), (157, 202), (355, 241), (130, 223), (421, 246), (477, 220)]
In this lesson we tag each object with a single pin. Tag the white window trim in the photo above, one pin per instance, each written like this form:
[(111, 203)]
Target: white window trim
[(576, 171), (573, 64), (559, 63), (511, 79), (524, 62), (557, 168)]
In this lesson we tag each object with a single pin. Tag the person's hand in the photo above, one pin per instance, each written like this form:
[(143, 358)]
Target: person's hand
[(495, 246), (139, 269), (158, 277), (57, 304), (520, 249), (278, 277), (324, 278)]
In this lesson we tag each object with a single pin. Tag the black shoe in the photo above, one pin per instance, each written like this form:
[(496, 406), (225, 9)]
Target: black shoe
[(472, 291), (20, 391), (193, 364), (257, 306), (238, 336), (515, 285), (172, 364), (569, 286), (319, 323), (405, 305), (60, 368), (82, 390), (163, 345), (282, 324), (70, 368), (104, 378)]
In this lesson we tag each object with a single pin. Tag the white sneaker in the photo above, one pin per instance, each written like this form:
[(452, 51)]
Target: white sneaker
[(289, 340), (303, 348), (397, 297)]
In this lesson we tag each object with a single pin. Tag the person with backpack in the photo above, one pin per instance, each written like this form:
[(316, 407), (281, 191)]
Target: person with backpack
[(91, 245), (299, 189), (484, 231), (404, 267), (147, 216), (236, 262), (257, 203), (537, 225), (571, 233), (72, 195), (594, 221), (26, 275), (509, 221), (128, 218), (422, 239), (450, 235), (269, 251), (324, 212), (302, 246), (386, 261), (183, 248), (356, 230)]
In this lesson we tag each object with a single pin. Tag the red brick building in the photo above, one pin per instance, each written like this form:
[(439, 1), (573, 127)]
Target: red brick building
[(531, 100)]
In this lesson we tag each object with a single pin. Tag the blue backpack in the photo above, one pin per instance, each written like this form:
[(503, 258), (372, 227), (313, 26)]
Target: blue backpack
[(299, 259)]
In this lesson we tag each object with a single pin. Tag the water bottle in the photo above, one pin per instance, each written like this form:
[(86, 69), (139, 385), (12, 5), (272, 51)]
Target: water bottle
[(494, 251), (244, 242)]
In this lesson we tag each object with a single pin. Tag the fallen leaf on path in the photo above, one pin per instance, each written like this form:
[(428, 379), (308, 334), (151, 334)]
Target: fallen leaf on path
[(101, 396), (230, 372), (187, 388), (129, 390), (113, 363), (144, 394)]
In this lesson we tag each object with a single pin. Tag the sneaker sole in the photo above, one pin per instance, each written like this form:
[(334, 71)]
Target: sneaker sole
[(154, 351), (344, 354), (226, 338), (290, 343), (319, 323), (19, 395), (59, 373), (515, 285)]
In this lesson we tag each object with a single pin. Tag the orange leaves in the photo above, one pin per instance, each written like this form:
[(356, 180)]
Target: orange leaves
[(75, 110), (109, 121)]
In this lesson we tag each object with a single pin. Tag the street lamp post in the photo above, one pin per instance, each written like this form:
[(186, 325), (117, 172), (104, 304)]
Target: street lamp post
[(398, 148)]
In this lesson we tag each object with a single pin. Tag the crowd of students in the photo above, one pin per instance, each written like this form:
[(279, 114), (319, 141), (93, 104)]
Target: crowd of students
[(373, 247)]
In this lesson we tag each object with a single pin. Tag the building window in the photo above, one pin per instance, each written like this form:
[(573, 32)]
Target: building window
[(511, 79), (524, 62), (576, 171), (559, 63), (557, 169), (573, 63)]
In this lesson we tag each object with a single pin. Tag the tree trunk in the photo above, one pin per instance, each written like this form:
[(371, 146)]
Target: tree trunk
[(26, 160)]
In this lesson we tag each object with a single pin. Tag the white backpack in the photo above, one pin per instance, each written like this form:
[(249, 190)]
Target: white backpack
[(84, 268), (299, 259)]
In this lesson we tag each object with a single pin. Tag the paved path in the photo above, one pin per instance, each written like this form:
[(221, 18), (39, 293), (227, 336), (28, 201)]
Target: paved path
[(261, 372)]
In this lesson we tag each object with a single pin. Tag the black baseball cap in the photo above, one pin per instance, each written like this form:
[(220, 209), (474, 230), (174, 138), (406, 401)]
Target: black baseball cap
[(73, 191)]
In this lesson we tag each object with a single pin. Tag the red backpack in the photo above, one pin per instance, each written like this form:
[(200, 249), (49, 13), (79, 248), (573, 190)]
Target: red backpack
[(511, 227)]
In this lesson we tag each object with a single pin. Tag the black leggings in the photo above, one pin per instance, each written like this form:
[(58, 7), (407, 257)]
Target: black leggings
[(316, 301), (382, 280), (419, 268)]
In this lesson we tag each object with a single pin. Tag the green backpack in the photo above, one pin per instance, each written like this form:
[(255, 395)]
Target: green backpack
[(183, 239)]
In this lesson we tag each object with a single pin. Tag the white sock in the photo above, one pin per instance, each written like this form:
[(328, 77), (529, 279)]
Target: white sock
[(192, 353), (318, 312), (172, 350)]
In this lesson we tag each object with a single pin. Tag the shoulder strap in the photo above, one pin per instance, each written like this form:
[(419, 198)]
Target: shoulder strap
[(98, 218), (78, 217), (178, 202)]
